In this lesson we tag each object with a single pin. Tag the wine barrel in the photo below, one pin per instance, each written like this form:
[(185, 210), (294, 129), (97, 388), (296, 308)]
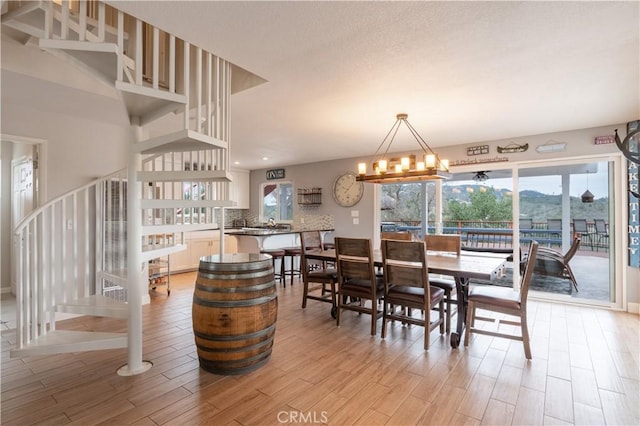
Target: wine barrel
[(234, 312)]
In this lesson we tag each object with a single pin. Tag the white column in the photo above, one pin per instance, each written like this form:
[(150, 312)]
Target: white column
[(135, 363), (566, 213)]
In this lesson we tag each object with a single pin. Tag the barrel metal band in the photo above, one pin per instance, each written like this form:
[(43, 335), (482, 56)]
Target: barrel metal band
[(226, 367), (233, 303), (220, 337), (210, 289), (239, 349)]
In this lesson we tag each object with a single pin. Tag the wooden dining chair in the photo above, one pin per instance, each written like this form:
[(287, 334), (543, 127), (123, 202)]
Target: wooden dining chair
[(316, 272), (505, 301), (446, 244), (406, 284), (402, 236), (357, 280)]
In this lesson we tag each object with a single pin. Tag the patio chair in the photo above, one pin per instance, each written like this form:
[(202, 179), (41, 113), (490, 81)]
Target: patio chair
[(581, 229), (554, 225), (602, 231), (551, 262)]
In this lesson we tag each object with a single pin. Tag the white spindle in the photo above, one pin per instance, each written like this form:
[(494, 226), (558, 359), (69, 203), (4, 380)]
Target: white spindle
[(54, 265), (139, 53), (186, 73), (198, 127), (87, 240), (63, 247), (64, 21), (120, 56), (172, 63), (74, 240), (156, 57), (208, 88), (33, 294), (101, 21), (37, 278), (48, 19), (82, 21), (216, 97)]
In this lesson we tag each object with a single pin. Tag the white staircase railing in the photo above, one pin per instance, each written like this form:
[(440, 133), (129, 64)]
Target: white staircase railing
[(64, 250), (87, 242)]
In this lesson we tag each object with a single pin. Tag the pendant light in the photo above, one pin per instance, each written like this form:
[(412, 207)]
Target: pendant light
[(587, 196)]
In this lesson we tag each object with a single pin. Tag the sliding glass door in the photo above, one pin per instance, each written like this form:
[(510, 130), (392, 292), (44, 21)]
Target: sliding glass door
[(557, 205)]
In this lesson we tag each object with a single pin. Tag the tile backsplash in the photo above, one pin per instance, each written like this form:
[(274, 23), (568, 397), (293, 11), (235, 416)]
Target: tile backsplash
[(301, 222)]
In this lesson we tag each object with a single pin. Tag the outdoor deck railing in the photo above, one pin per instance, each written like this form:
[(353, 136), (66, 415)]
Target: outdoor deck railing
[(492, 229)]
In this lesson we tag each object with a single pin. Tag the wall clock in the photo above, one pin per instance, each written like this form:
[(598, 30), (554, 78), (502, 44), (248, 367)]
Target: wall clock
[(347, 191)]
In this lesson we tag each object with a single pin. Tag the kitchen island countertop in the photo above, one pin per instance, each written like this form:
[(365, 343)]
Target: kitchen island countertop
[(260, 232)]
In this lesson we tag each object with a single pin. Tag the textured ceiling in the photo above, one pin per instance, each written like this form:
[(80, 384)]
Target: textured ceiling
[(338, 72)]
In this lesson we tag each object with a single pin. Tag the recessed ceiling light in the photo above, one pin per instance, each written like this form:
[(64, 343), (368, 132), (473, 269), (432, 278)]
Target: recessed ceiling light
[(265, 158), (236, 162)]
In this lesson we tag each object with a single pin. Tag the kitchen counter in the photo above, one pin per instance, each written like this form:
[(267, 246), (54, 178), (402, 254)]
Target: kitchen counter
[(257, 232), (252, 240)]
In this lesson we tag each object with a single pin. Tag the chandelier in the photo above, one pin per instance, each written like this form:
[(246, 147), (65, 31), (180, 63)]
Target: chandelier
[(406, 169)]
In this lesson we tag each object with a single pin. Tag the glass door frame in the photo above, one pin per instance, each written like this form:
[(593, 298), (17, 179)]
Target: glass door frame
[(618, 258)]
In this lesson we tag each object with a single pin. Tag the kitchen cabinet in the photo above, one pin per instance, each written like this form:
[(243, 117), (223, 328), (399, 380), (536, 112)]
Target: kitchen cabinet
[(199, 244), (240, 188)]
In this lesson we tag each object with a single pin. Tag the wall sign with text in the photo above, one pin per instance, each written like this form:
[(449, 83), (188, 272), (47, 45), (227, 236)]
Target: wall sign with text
[(633, 150), (478, 150), (275, 174)]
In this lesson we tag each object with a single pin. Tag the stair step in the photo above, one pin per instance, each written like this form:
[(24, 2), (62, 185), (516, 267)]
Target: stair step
[(97, 305), (66, 341), (148, 103), (181, 141)]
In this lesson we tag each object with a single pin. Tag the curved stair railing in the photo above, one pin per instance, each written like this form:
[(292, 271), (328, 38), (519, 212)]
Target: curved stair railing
[(76, 254), (73, 248)]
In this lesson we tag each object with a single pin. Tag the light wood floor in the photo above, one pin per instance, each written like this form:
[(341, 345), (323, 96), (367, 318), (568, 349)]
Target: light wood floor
[(584, 371)]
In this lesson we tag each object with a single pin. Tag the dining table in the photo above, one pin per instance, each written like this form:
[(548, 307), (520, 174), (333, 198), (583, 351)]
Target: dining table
[(464, 267)]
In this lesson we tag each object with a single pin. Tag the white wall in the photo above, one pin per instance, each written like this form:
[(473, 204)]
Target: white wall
[(78, 150)]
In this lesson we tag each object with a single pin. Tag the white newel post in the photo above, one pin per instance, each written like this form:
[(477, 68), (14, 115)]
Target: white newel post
[(135, 364)]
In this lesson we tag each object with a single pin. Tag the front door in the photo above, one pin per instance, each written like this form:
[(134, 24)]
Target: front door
[(22, 201)]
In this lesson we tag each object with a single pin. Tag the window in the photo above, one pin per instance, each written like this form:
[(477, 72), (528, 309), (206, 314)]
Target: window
[(277, 202)]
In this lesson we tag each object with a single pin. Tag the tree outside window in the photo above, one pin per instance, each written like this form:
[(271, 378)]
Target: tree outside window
[(277, 202)]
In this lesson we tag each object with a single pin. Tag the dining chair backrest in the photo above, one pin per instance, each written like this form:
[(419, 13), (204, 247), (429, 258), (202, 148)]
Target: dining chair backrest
[(528, 273), (554, 224), (580, 225), (444, 243), (310, 240), (601, 226), (404, 263), (354, 259), (402, 236)]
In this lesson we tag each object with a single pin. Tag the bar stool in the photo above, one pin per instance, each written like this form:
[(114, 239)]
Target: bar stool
[(276, 254), (292, 252)]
